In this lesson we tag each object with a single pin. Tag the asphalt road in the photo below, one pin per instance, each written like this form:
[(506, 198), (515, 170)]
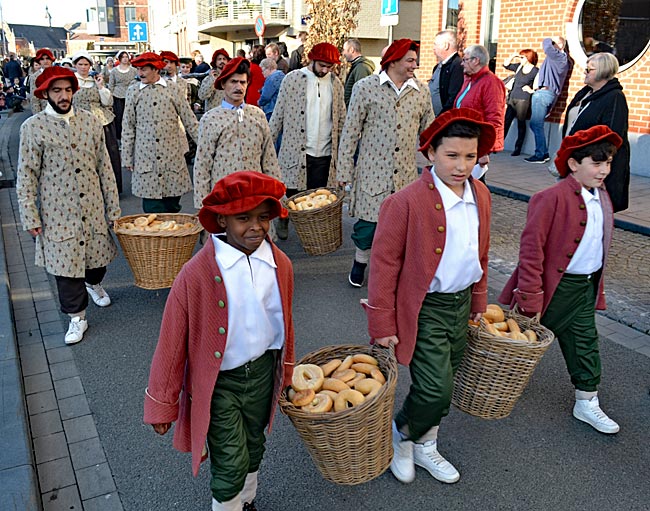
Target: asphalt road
[(539, 458)]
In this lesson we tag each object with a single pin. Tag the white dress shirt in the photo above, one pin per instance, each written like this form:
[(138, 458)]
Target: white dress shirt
[(162, 82), (318, 114), (588, 257), (66, 117), (255, 317), (383, 78), (459, 265)]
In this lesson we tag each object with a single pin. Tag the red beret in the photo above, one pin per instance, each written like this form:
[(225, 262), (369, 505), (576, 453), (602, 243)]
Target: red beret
[(397, 50), (239, 192), (220, 51), (485, 141), (148, 58), (44, 52), (228, 70), (51, 74), (169, 55), (582, 139), (325, 52)]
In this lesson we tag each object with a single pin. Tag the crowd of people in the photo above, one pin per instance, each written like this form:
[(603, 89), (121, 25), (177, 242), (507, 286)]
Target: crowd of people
[(273, 125)]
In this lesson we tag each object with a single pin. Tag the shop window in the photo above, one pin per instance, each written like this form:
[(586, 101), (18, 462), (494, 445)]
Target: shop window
[(620, 27), (451, 15)]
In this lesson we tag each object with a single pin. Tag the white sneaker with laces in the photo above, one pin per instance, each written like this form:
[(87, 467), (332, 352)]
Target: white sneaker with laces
[(588, 410), (402, 465), (426, 455), (76, 330), (98, 294)]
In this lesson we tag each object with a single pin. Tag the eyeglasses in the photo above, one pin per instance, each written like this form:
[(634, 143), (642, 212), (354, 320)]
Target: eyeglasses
[(467, 59), (589, 70)]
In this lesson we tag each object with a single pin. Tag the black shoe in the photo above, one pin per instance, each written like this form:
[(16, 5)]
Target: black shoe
[(357, 274), (535, 159), (516, 152), (249, 506)]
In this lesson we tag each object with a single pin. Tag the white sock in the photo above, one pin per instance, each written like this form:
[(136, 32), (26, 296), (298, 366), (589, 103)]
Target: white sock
[(250, 488), (233, 504), (429, 436), (583, 394), (362, 256), (80, 315)]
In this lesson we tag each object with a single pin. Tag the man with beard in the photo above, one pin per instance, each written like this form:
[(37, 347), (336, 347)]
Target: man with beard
[(233, 136), (309, 113), (151, 145), (67, 196), (45, 59), (387, 112), (207, 91)]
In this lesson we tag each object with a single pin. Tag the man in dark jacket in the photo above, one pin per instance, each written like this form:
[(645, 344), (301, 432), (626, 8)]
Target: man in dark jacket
[(360, 66), (447, 77), (12, 70)]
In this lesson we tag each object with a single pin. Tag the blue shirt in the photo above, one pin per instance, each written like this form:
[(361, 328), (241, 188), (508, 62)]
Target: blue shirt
[(554, 69), (270, 92)]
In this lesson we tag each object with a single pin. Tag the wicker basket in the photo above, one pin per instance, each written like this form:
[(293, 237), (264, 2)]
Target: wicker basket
[(320, 230), (495, 370), (355, 445), (156, 258)]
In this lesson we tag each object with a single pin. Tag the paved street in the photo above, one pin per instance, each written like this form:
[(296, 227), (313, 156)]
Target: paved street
[(86, 400)]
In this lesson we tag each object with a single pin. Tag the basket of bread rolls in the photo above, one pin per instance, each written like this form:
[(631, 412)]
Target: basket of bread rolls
[(502, 352), (156, 246), (317, 218), (341, 403)]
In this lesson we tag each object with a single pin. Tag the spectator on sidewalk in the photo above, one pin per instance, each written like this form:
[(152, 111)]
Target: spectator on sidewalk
[(12, 69), (67, 197), (550, 81), (45, 59), (257, 78), (447, 76), (297, 55), (524, 66), (360, 66), (273, 79), (235, 372), (273, 52)]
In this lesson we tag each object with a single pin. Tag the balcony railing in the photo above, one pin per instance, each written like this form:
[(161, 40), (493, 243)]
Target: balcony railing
[(218, 11)]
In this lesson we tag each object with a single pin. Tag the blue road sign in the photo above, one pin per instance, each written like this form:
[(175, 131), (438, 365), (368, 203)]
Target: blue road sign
[(138, 31), (260, 26), (389, 7)]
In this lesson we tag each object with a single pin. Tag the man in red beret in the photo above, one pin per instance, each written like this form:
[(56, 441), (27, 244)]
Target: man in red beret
[(45, 58), (235, 366), (309, 113), (151, 145), (172, 74), (207, 91), (67, 196), (232, 136), (387, 112)]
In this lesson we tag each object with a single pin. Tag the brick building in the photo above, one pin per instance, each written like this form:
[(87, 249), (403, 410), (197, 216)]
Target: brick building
[(507, 26)]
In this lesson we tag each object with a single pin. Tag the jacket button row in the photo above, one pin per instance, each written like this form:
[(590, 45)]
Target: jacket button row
[(217, 279), (222, 330), (82, 243), (221, 303), (217, 354), (577, 240), (583, 223), (560, 270), (395, 171), (438, 207), (438, 251), (82, 195), (77, 171), (431, 186), (570, 254), (441, 228), (582, 206), (577, 192)]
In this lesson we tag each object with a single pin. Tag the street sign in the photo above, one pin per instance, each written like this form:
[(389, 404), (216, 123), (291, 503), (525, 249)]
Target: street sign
[(260, 26), (389, 7), (389, 21), (138, 32)]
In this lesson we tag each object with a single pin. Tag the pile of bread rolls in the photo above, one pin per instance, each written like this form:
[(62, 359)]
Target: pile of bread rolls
[(150, 224), (315, 200), (497, 324), (336, 385)]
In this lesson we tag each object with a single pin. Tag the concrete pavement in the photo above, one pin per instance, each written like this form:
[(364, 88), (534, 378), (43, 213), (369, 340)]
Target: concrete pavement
[(91, 451)]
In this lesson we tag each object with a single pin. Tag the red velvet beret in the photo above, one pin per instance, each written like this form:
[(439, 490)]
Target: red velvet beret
[(397, 50), (51, 74), (220, 51), (239, 192), (228, 70), (581, 139), (485, 141), (148, 58), (44, 52), (170, 55), (325, 52)]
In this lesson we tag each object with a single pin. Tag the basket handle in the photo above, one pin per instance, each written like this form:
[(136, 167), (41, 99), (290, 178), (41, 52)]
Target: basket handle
[(536, 318)]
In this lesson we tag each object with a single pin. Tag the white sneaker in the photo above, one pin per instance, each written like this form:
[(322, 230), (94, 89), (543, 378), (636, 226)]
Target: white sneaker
[(99, 295), (426, 455), (402, 465), (588, 410), (76, 330)]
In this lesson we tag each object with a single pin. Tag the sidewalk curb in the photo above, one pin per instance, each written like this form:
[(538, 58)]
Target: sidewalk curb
[(18, 482)]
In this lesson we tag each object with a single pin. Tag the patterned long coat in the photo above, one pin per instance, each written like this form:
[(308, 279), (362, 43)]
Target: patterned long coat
[(36, 104), (87, 98), (227, 144), (386, 128), (289, 118), (119, 82), (151, 144), (211, 95), (65, 184)]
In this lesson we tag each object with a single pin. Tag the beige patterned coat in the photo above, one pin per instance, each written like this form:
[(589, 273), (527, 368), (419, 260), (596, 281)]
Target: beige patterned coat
[(227, 145), (119, 82), (207, 92), (36, 104), (289, 119), (151, 144), (65, 184), (387, 128), (87, 98)]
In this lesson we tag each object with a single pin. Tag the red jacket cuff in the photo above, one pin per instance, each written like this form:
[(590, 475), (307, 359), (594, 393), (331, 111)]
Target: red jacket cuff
[(157, 412), (529, 302), (381, 322)]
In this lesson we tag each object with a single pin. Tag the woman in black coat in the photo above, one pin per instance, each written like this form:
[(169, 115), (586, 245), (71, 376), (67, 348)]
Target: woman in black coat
[(602, 101)]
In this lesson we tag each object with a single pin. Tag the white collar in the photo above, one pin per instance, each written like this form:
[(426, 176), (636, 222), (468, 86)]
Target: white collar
[(82, 79), (448, 58), (383, 78), (588, 196), (66, 117), (228, 255), (162, 82), (448, 196)]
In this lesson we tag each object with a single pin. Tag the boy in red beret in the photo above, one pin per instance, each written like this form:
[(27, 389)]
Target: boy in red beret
[(562, 257), (428, 275), (226, 340)]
